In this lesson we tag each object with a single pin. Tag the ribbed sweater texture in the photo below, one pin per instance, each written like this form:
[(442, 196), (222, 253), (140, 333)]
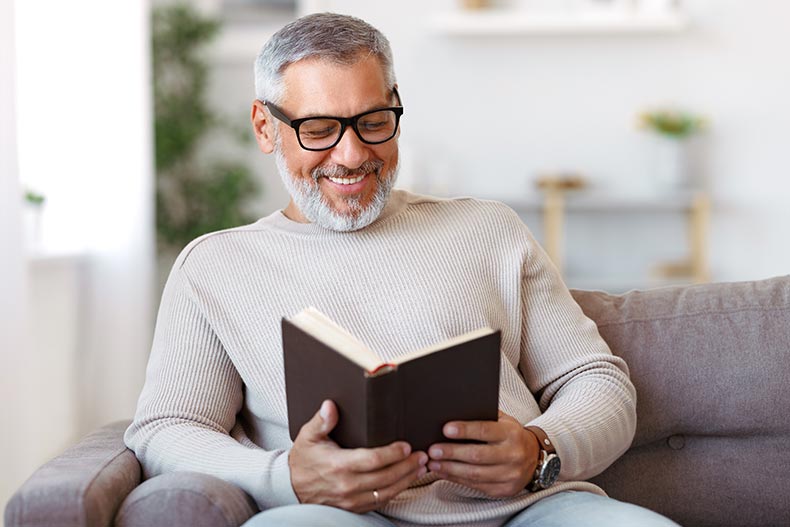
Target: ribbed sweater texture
[(426, 270)]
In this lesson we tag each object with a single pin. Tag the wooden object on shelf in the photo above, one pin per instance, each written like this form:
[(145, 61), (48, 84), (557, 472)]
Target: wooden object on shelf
[(500, 21), (695, 267), (554, 188), (474, 4)]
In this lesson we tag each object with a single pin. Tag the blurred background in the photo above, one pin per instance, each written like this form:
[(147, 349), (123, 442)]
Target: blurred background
[(644, 142)]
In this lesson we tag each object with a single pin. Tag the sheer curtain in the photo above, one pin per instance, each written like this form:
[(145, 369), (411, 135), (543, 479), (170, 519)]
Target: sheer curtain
[(83, 138), (13, 276)]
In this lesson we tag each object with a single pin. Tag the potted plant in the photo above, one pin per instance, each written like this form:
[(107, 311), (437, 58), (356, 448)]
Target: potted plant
[(196, 192), (33, 212), (670, 131)]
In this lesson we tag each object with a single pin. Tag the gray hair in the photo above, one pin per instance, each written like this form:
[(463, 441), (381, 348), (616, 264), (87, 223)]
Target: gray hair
[(341, 39)]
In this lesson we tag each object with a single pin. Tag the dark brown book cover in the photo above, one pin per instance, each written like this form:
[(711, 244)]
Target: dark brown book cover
[(409, 401)]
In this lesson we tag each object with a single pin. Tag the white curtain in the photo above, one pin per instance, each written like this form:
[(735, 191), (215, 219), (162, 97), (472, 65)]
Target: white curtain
[(13, 284), (83, 137)]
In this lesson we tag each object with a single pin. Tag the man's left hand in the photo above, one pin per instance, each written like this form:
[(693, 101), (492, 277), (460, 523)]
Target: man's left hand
[(500, 467)]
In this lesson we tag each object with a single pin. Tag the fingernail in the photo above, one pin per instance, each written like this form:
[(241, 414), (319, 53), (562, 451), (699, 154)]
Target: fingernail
[(434, 466), (451, 430), (423, 459), (324, 412), (436, 452), (422, 472)]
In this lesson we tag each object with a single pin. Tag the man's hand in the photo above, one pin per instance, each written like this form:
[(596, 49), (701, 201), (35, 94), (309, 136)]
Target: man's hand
[(324, 473), (501, 467)]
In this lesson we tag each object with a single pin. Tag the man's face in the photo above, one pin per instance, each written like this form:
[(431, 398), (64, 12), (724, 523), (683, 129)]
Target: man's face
[(345, 187)]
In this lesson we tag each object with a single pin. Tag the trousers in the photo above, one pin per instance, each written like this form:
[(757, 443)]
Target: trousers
[(564, 509)]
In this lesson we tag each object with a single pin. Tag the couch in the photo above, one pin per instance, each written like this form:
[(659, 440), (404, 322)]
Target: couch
[(711, 364)]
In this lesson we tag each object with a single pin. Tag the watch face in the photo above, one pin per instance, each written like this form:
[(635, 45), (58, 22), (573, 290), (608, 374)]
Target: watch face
[(550, 471)]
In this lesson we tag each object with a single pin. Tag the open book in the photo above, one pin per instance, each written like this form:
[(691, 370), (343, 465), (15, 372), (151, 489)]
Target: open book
[(408, 399)]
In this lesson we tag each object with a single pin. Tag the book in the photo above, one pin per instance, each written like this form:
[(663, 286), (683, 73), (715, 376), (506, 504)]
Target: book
[(379, 402)]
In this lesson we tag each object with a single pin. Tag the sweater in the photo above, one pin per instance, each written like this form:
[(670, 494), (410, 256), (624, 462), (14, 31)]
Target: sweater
[(426, 270)]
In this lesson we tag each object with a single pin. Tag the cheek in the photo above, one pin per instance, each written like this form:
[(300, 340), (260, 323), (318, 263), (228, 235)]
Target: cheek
[(301, 164)]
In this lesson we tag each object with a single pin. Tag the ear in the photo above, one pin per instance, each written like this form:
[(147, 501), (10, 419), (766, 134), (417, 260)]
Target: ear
[(263, 126)]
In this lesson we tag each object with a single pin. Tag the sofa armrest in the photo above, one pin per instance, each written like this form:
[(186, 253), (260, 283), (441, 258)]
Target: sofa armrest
[(186, 499), (83, 486)]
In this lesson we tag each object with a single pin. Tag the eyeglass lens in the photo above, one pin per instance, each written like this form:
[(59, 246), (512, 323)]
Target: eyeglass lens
[(374, 127)]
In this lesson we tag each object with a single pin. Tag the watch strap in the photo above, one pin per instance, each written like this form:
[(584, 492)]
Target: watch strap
[(543, 439)]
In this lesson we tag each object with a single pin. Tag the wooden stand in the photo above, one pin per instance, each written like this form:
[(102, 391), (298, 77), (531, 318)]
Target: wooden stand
[(554, 188), (695, 267)]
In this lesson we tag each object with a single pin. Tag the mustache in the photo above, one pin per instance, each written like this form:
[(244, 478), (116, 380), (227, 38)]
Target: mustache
[(373, 166)]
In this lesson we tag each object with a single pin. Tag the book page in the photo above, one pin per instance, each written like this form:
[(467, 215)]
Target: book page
[(330, 333), (477, 333)]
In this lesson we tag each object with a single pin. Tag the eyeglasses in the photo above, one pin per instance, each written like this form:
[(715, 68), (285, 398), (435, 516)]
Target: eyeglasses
[(323, 132)]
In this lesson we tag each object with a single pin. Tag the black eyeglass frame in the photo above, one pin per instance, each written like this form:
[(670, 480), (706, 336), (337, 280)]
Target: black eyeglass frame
[(345, 122)]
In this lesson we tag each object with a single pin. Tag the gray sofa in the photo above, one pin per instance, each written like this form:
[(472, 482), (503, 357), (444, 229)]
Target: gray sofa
[(711, 364)]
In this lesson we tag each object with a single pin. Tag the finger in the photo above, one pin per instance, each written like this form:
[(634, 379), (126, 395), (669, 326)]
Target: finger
[(479, 474), (319, 426), (486, 431), (370, 459), (388, 492), (390, 475), (468, 453)]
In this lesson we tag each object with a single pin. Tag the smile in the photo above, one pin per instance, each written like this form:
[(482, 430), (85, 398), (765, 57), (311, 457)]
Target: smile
[(346, 180)]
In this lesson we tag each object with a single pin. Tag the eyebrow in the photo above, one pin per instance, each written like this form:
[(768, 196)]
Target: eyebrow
[(311, 115)]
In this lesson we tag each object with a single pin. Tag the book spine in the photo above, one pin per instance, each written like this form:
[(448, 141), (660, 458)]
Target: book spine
[(384, 409)]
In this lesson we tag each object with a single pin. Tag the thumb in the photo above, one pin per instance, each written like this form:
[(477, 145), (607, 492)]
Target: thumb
[(324, 420)]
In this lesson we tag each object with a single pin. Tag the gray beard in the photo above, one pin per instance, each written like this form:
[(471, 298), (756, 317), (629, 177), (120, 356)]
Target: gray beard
[(311, 203)]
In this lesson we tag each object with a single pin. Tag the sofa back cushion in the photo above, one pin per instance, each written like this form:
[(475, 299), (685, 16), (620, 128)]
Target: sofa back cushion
[(711, 365)]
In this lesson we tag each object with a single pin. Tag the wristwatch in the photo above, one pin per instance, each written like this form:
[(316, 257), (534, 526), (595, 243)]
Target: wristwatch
[(548, 468)]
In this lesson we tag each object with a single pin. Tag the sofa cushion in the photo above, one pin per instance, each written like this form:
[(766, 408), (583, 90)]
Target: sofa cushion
[(711, 366), (186, 499)]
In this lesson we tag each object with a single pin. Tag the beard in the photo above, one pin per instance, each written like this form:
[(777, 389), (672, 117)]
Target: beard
[(313, 205)]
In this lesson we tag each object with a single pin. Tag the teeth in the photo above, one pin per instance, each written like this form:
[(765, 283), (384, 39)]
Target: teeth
[(346, 180)]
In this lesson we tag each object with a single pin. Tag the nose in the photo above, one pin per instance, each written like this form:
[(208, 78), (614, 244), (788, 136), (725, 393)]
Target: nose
[(350, 152)]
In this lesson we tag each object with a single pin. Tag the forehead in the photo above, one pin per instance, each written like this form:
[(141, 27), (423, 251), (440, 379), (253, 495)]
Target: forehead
[(315, 86)]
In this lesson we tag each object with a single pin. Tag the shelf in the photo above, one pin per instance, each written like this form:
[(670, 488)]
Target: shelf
[(493, 22)]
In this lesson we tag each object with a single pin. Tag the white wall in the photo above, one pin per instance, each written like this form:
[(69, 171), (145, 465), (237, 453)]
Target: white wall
[(512, 107)]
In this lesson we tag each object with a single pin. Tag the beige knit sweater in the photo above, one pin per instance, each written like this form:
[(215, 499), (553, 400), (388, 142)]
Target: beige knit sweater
[(426, 270)]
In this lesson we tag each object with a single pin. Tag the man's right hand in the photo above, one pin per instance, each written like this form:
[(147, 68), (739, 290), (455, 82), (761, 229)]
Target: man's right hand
[(324, 473)]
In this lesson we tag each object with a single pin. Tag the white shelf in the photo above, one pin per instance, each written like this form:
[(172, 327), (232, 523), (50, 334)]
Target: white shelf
[(493, 22)]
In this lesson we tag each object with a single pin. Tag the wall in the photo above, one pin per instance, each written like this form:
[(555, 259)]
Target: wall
[(487, 115)]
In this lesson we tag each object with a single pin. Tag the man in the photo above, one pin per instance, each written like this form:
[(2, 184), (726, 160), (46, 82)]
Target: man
[(400, 271)]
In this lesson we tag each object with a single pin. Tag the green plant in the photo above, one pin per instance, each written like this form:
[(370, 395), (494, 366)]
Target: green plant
[(193, 195), (672, 123), (34, 198)]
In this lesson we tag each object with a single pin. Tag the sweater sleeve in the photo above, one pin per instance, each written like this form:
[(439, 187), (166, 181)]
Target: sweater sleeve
[(189, 403), (584, 391)]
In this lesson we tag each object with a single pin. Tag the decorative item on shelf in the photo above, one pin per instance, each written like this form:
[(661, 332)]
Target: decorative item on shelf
[(658, 6), (554, 187), (671, 131), (475, 4), (33, 213)]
